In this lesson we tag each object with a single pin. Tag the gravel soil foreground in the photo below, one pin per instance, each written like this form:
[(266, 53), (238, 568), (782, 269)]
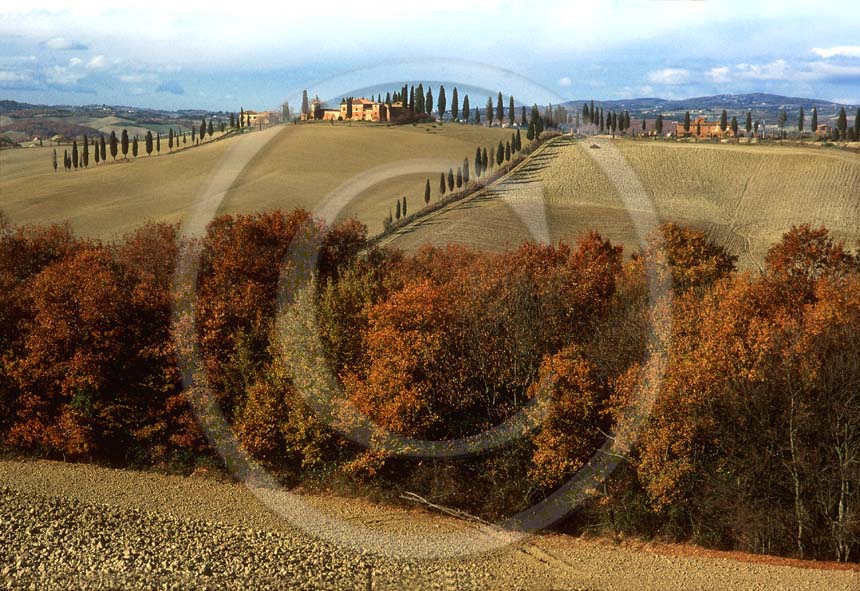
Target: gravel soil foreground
[(65, 526)]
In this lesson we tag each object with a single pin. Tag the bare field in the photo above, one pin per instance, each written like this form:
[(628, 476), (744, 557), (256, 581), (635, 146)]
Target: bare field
[(299, 167), (744, 197), (172, 532)]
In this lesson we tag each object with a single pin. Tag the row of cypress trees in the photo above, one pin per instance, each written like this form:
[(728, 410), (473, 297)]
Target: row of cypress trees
[(483, 161), (81, 158)]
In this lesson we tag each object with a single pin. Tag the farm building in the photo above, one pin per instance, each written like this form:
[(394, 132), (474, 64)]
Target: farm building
[(261, 117), (362, 110), (700, 127)]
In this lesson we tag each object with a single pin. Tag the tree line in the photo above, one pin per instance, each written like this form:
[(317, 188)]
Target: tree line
[(751, 443), (79, 157)]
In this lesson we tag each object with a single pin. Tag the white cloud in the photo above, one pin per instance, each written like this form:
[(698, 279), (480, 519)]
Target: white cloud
[(838, 50), (62, 76), (61, 43), (7, 77), (775, 70), (75, 61), (846, 101), (97, 62), (138, 78), (669, 76), (566, 81), (719, 75)]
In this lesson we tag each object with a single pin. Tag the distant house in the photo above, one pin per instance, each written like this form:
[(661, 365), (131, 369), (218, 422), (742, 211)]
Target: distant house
[(823, 130), (701, 128), (254, 118)]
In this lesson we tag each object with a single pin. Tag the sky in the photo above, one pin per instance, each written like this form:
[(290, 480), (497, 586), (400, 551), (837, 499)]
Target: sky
[(196, 54)]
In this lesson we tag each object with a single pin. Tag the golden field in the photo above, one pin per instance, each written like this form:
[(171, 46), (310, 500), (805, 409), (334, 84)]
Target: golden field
[(299, 166), (743, 196)]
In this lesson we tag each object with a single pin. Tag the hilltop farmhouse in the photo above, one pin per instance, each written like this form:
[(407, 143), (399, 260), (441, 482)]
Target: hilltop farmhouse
[(363, 109), (701, 128)]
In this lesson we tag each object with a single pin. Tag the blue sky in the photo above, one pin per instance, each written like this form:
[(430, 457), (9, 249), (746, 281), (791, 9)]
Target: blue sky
[(196, 55)]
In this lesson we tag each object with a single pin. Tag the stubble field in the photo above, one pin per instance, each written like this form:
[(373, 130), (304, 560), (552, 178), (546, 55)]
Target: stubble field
[(743, 197)]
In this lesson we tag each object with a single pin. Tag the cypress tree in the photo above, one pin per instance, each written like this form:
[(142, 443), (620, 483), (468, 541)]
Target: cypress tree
[(97, 151), (724, 121), (397, 211), (442, 102), (500, 109), (134, 147), (170, 138), (113, 145), (388, 98), (466, 170), (466, 111), (593, 113), (412, 99), (489, 111), (508, 151), (492, 158), (66, 160), (184, 140), (427, 192), (500, 153), (814, 121), (477, 116), (658, 125), (202, 129), (523, 116), (442, 184), (54, 161), (450, 179), (734, 126), (349, 107), (455, 108), (86, 154), (530, 134), (232, 121), (600, 117), (484, 160), (842, 123), (124, 143), (687, 123), (193, 133), (800, 121), (459, 177), (404, 206), (512, 114), (75, 153), (148, 145), (242, 116), (519, 141), (420, 99), (210, 128), (158, 142), (428, 102), (749, 124)]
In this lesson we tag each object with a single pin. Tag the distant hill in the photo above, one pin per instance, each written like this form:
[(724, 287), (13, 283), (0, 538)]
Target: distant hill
[(761, 104), (47, 127)]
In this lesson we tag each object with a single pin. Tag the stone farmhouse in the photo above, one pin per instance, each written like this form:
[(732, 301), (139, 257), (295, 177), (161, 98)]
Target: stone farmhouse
[(362, 110), (701, 128)]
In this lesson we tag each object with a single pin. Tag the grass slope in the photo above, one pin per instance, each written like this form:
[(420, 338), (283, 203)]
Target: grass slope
[(744, 197), (299, 167)]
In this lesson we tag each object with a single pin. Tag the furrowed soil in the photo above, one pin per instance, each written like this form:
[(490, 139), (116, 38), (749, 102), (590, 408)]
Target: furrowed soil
[(743, 196), (67, 526)]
